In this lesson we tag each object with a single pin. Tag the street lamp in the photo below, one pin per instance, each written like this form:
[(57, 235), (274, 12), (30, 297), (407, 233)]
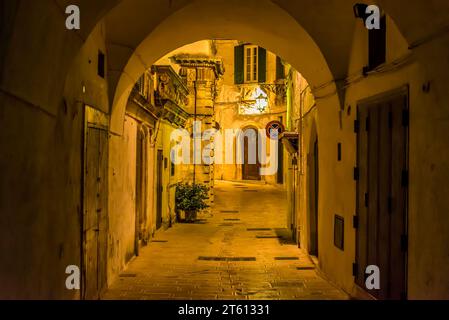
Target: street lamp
[(261, 102)]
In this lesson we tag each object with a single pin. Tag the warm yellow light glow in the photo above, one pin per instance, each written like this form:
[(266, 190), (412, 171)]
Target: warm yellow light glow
[(256, 104)]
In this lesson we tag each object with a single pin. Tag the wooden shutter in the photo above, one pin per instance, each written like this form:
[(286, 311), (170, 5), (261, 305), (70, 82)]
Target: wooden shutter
[(280, 72), (262, 55), (238, 64)]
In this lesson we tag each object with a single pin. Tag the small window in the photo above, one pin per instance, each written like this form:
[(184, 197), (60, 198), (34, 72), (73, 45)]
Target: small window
[(172, 169), (377, 39), (339, 232), (101, 64), (251, 63)]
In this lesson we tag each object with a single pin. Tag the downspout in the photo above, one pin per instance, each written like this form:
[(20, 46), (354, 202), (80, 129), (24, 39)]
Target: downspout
[(293, 218), (194, 121), (301, 142), (301, 127)]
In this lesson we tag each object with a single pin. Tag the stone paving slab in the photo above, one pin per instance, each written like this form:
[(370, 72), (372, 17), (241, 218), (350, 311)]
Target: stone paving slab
[(172, 269)]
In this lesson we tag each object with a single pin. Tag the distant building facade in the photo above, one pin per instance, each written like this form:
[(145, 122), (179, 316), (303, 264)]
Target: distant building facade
[(251, 94)]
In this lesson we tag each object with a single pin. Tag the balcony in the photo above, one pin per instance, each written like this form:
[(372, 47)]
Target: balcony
[(171, 95)]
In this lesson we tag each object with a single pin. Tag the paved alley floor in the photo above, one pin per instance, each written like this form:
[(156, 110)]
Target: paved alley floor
[(238, 251)]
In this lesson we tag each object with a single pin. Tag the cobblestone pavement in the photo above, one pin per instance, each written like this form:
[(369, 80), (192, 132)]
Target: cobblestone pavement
[(239, 251)]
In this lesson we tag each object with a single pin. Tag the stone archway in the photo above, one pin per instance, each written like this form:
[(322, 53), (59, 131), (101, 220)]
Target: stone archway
[(283, 36), (47, 101)]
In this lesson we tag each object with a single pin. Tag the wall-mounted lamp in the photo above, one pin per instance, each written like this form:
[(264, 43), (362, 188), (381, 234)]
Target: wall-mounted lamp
[(360, 11), (261, 102), (291, 141)]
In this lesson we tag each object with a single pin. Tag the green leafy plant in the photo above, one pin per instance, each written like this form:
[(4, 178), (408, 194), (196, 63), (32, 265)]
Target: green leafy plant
[(190, 198)]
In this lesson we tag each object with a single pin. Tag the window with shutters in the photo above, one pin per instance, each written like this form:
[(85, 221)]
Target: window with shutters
[(251, 63)]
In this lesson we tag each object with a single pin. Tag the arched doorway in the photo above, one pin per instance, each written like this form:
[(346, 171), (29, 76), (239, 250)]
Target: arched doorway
[(141, 189), (251, 163)]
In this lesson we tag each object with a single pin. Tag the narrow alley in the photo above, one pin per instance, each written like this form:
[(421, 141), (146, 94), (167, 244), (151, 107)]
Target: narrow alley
[(224, 149), (239, 251)]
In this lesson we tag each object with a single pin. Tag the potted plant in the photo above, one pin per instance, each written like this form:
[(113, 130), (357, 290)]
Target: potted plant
[(190, 198)]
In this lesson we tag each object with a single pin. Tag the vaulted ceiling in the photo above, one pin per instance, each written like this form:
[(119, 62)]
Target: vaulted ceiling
[(315, 36)]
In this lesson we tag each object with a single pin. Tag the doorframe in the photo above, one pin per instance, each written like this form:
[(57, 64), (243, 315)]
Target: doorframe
[(382, 97), (313, 175), (256, 129), (92, 118), (141, 186), (159, 185)]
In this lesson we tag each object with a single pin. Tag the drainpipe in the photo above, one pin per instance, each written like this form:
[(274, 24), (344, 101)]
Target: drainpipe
[(301, 147), (295, 171), (194, 120), (294, 163), (301, 127)]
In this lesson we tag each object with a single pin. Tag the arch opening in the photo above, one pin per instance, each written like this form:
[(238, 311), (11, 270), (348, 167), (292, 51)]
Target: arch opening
[(283, 36)]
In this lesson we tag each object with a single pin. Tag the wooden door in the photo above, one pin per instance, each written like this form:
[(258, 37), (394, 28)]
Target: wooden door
[(251, 171), (95, 226), (382, 188), (399, 196), (159, 188), (140, 192), (313, 200)]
